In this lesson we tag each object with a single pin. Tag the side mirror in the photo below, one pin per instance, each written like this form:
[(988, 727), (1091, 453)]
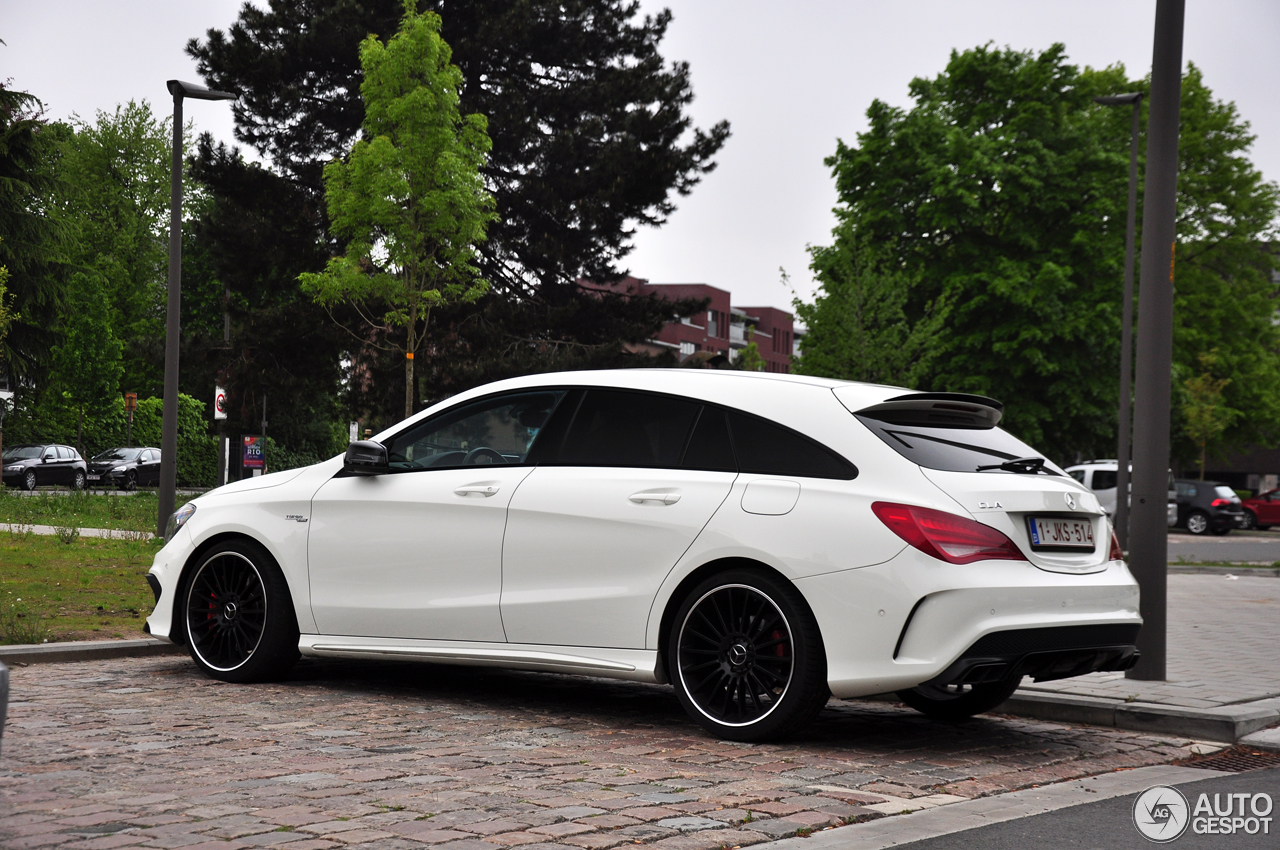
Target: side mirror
[(366, 457)]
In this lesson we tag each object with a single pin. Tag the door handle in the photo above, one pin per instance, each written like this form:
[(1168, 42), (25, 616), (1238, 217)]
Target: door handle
[(484, 490), (661, 497)]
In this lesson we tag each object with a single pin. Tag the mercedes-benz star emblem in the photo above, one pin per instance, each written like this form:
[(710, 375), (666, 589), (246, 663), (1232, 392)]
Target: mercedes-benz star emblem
[(1070, 500)]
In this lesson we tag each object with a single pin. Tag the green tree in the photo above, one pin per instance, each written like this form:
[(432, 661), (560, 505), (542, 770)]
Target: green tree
[(857, 327), (115, 200), (1204, 407), (1001, 193), (86, 373), (409, 200), (750, 359)]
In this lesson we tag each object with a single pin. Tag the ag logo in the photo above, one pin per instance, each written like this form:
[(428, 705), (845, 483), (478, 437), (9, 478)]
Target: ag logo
[(1161, 814)]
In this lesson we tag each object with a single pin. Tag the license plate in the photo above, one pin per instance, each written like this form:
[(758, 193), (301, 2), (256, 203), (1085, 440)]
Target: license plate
[(93, 477), (1054, 533)]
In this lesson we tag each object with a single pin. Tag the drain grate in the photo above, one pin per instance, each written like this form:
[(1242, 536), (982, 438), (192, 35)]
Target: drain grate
[(1235, 760)]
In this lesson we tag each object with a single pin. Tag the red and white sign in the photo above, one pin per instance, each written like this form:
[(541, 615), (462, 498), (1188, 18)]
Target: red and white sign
[(219, 403)]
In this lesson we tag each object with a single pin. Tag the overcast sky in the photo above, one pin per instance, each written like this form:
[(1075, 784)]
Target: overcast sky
[(790, 77)]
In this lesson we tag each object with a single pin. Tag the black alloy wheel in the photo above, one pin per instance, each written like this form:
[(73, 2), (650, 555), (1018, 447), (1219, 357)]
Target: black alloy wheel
[(130, 480), (746, 658), (956, 702), (239, 615), (29, 481), (77, 480)]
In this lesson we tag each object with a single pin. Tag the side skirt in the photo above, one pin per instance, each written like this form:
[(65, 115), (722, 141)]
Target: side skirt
[(636, 665)]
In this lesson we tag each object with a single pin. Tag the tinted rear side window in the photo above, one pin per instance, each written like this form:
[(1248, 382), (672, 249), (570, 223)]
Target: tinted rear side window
[(769, 449), (709, 447), (620, 428), (951, 449), (1104, 479)]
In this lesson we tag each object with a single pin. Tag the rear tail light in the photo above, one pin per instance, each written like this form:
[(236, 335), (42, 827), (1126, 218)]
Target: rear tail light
[(945, 536), (1221, 503), (1117, 554)]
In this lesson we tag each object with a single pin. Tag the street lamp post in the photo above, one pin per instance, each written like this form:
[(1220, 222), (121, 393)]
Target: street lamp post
[(1126, 321), (173, 322), (1149, 536)]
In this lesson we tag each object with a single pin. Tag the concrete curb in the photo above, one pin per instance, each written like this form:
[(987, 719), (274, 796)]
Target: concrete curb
[(1239, 572), (21, 655), (1227, 723), (984, 811)]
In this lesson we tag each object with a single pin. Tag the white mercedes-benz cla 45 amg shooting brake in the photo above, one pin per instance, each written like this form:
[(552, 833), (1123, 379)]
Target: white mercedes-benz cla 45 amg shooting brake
[(759, 541)]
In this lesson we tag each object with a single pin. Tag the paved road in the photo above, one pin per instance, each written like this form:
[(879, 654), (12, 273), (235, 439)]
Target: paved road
[(1238, 546), (1224, 647), (1108, 825), (148, 753)]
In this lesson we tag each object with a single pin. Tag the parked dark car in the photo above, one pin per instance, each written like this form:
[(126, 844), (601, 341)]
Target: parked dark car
[(1205, 506), (126, 467), (1263, 510), (36, 465)]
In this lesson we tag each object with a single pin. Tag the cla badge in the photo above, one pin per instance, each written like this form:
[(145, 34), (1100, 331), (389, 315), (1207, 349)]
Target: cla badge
[(1070, 500)]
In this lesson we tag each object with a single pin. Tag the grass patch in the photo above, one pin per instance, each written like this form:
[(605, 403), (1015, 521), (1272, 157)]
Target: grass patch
[(74, 510), (88, 589)]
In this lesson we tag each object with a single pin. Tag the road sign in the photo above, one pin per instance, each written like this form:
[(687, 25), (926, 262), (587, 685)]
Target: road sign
[(219, 403), (130, 402)]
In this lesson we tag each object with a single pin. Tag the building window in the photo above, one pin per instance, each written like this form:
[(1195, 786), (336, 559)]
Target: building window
[(687, 348)]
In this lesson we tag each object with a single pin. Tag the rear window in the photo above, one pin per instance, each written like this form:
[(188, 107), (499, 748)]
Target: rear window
[(1224, 492), (1104, 479), (951, 449)]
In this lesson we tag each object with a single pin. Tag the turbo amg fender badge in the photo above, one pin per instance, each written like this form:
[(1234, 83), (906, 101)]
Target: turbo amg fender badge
[(295, 517)]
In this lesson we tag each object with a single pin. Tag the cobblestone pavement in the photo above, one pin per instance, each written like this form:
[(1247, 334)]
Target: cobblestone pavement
[(1224, 647), (148, 753)]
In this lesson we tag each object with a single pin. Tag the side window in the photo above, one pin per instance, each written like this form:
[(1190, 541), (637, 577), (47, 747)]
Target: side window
[(493, 431), (65, 453), (145, 457), (710, 447), (620, 428), (763, 447), (1104, 479), (1077, 474), (50, 453)]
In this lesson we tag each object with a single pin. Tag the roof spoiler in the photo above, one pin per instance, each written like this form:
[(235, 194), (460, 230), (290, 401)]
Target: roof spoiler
[(938, 410)]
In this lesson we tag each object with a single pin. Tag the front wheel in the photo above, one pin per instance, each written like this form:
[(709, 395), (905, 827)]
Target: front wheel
[(239, 615), (956, 702), (1250, 521), (746, 657), (29, 481), (1198, 522), (130, 481)]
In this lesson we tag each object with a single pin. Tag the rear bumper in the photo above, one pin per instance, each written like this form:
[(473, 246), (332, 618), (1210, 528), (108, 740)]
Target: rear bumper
[(1044, 654)]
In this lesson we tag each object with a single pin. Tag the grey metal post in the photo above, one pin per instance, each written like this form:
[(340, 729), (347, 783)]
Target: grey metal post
[(173, 318), (169, 425), (1126, 324), (1148, 538)]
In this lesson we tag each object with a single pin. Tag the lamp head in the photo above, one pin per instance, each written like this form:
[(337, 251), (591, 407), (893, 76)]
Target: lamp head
[(178, 88), (1119, 99)]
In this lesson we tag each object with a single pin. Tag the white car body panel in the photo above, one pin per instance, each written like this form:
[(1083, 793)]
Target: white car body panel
[(584, 576), (409, 556), (586, 550)]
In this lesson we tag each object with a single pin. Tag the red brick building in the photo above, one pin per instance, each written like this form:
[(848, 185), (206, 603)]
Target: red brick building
[(722, 329)]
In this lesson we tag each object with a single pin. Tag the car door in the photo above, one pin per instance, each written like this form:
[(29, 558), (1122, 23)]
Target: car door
[(1269, 508), (602, 520), (149, 468), (417, 552), (52, 468)]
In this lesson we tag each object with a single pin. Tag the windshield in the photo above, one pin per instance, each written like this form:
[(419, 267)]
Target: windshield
[(955, 449), (118, 454), (23, 452)]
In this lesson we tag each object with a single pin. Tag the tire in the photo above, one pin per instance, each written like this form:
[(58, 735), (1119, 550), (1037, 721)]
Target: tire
[(29, 482), (746, 657), (956, 702), (1198, 522), (238, 614), (1250, 521), (130, 482), (77, 481)]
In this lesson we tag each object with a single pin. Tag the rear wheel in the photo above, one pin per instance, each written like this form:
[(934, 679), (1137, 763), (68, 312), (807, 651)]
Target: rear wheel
[(1250, 521), (1198, 522), (239, 615), (746, 657), (955, 702), (77, 480)]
